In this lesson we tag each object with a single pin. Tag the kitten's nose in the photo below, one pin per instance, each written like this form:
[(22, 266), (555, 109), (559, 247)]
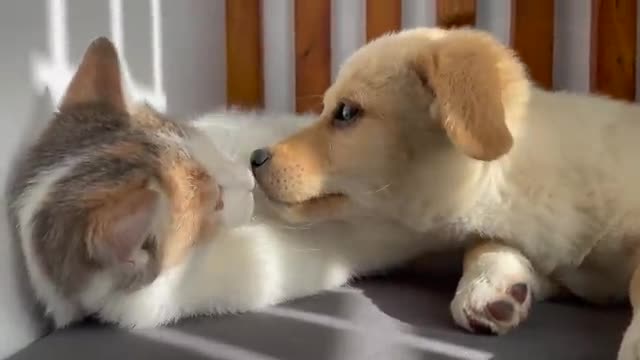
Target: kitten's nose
[(259, 157)]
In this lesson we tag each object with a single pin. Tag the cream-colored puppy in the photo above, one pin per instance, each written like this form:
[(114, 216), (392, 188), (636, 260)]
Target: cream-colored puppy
[(443, 131)]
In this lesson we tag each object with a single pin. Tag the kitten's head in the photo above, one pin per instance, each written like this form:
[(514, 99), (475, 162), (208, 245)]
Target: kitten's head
[(109, 194)]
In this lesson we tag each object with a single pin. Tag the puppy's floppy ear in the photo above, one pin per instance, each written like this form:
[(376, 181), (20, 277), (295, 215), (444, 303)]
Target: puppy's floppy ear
[(462, 70), (97, 79)]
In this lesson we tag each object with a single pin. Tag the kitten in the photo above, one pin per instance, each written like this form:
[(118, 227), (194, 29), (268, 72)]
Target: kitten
[(126, 214)]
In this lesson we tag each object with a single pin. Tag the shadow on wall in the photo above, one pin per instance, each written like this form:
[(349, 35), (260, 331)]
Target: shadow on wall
[(173, 53)]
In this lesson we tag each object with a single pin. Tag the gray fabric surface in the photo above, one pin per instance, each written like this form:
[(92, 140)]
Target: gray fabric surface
[(376, 319)]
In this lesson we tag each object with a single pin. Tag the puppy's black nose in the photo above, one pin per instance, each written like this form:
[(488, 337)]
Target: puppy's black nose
[(260, 157)]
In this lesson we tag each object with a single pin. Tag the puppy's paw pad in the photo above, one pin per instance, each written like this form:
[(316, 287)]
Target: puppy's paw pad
[(483, 308), (519, 292), (501, 310), (478, 326)]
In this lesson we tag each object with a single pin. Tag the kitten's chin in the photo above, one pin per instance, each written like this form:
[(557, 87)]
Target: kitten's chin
[(238, 207)]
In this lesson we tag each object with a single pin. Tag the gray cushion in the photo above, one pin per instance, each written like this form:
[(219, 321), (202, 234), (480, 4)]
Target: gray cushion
[(376, 319)]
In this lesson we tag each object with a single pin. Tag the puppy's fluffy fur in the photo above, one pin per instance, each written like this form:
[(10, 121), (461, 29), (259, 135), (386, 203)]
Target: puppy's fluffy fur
[(442, 131)]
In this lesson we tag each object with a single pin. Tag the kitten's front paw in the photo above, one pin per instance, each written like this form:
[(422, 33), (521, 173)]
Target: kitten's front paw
[(495, 306)]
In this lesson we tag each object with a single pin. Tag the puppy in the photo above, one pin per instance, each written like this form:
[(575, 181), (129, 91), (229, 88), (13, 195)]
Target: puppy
[(442, 130)]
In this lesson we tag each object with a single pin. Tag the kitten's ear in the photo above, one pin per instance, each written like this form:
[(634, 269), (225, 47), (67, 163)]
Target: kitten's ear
[(98, 78), (121, 227)]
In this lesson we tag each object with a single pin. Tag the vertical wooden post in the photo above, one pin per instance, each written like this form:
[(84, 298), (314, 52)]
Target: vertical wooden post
[(245, 83), (532, 37), (613, 48), (453, 13), (383, 16), (312, 26)]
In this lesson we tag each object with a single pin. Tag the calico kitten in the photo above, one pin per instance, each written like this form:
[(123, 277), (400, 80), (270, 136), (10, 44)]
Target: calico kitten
[(119, 212), (107, 197)]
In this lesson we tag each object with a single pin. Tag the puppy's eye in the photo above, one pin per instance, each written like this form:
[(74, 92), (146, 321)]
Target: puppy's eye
[(345, 115)]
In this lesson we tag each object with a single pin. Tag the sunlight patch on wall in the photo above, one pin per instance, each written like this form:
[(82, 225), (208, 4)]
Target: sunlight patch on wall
[(54, 70)]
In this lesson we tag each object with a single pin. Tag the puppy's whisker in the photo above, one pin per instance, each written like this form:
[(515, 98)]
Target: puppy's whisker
[(305, 250), (382, 188), (306, 226)]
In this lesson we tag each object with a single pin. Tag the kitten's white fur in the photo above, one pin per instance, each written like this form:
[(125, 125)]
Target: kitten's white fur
[(28, 204), (250, 265)]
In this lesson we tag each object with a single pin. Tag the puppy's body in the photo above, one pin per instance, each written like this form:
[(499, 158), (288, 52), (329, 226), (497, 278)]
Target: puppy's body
[(442, 131), (575, 203), (566, 194)]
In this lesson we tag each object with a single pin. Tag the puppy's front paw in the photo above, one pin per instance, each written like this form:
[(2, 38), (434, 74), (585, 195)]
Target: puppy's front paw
[(495, 307)]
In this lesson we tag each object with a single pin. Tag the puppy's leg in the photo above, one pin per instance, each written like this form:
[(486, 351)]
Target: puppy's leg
[(496, 289), (630, 347)]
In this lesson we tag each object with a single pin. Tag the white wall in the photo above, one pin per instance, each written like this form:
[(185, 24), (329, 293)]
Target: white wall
[(175, 53)]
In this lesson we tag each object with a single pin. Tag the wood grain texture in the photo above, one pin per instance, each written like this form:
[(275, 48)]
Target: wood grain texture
[(245, 85), (383, 16), (613, 48), (312, 26), (454, 13), (532, 37)]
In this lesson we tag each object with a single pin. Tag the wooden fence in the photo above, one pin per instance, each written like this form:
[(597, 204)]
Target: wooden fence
[(612, 49)]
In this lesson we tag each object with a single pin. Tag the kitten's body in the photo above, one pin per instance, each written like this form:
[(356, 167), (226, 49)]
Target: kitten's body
[(118, 214), (266, 261)]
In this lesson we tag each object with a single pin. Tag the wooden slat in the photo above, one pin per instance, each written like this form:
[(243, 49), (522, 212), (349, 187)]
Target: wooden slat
[(613, 47), (312, 26), (244, 53), (383, 16), (454, 13), (532, 37)]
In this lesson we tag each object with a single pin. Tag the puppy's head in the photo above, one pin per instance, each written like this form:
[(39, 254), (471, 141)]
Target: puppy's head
[(409, 113)]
